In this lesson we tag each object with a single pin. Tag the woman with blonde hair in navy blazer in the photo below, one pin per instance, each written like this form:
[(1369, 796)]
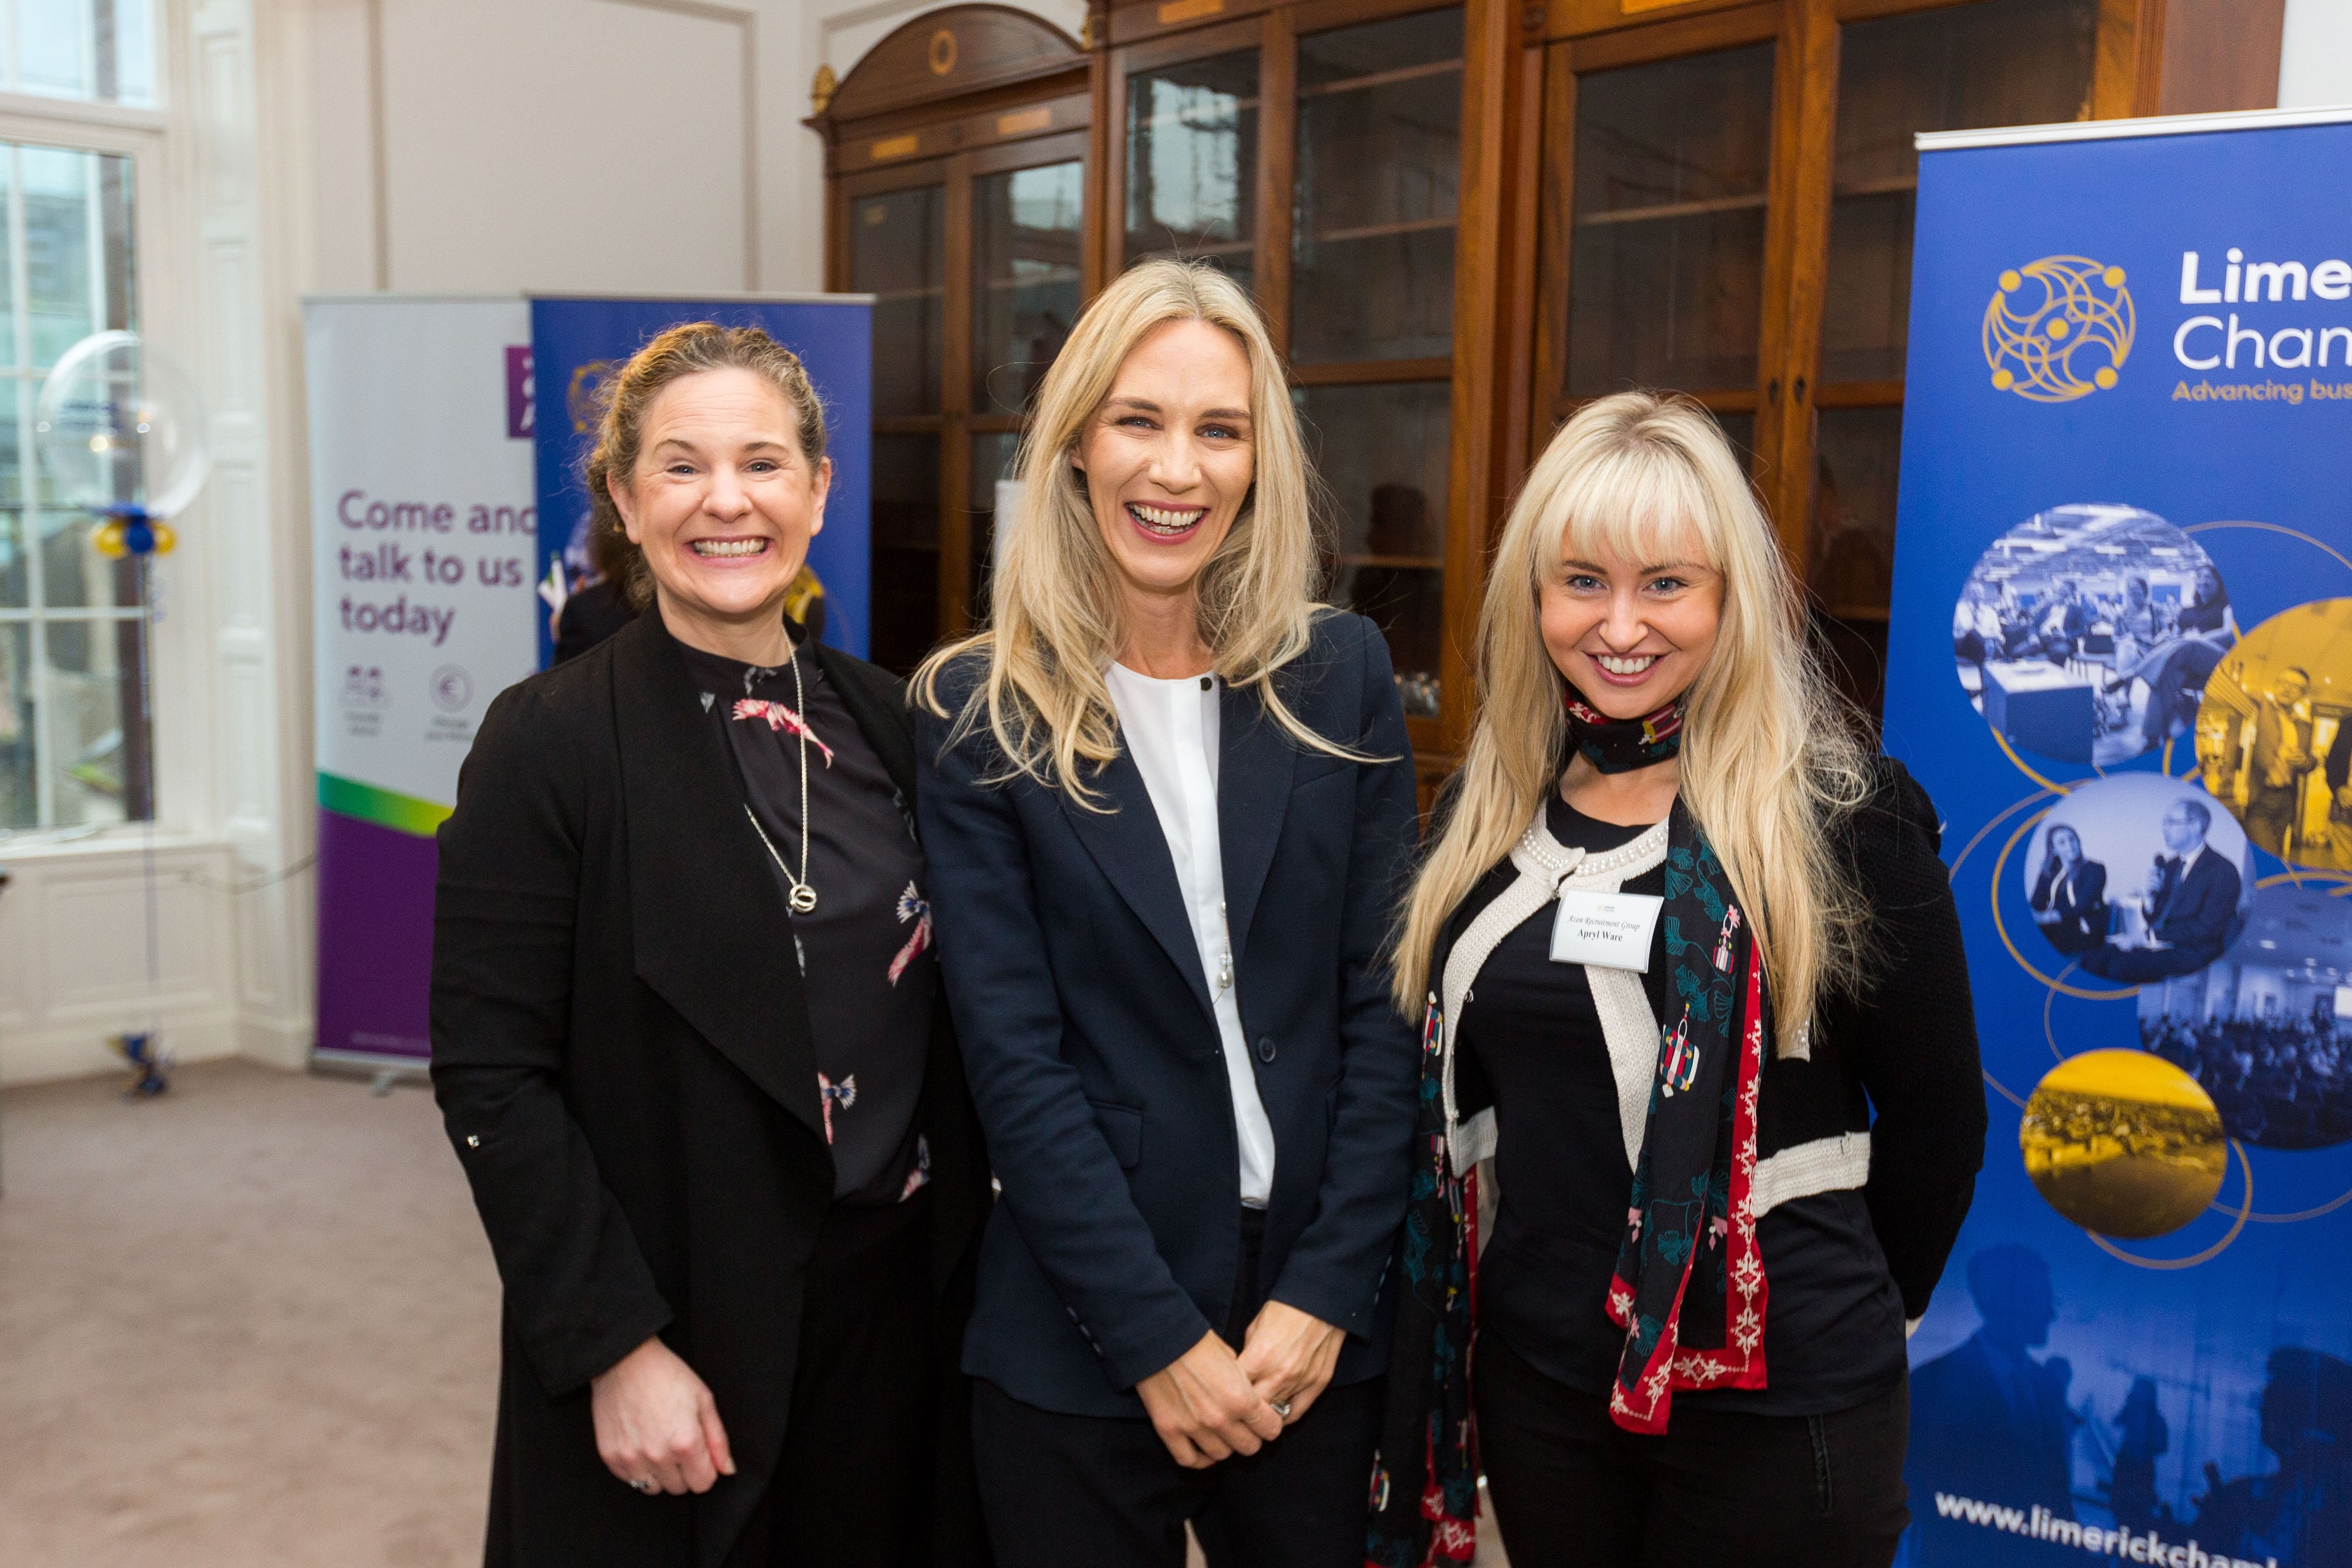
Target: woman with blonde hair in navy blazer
[(1168, 805)]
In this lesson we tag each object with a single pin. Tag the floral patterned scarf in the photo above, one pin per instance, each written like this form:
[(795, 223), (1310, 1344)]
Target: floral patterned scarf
[(1689, 1290)]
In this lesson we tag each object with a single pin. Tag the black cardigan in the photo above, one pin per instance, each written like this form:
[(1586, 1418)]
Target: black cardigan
[(620, 1052), (1904, 1048)]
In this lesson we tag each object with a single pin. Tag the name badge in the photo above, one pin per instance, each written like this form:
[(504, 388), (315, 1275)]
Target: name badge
[(1611, 929)]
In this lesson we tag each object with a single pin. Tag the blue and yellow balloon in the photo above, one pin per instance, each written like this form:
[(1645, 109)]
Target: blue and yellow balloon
[(121, 433)]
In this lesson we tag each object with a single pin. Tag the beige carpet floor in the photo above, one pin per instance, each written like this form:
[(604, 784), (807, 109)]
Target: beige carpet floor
[(249, 1324)]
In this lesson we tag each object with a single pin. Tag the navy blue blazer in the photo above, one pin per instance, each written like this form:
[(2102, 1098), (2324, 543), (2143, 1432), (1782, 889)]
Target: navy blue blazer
[(1093, 1052), (2196, 912)]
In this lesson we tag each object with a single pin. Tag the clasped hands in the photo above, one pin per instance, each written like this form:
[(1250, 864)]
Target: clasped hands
[(1210, 1403)]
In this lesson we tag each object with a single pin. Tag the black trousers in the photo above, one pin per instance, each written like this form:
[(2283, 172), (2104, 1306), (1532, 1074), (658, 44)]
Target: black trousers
[(854, 1486), (1090, 1491), (1571, 1488)]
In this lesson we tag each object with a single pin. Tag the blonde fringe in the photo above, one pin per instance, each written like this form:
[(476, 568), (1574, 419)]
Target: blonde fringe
[(1771, 755), (1053, 623)]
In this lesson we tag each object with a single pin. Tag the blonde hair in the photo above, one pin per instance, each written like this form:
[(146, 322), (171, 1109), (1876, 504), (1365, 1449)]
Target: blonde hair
[(624, 396), (1770, 757), (1054, 604)]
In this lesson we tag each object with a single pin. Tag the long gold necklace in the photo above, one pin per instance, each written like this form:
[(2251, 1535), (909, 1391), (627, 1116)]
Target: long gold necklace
[(802, 897)]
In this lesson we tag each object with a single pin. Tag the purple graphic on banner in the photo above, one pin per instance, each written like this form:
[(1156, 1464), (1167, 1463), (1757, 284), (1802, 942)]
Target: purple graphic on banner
[(375, 952), (521, 405)]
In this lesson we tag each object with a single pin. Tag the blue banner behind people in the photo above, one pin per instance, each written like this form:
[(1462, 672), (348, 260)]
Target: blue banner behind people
[(2127, 444), (576, 341)]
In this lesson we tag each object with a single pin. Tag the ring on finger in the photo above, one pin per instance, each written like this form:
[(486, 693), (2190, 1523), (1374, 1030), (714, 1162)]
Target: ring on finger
[(647, 1484), (1281, 1408)]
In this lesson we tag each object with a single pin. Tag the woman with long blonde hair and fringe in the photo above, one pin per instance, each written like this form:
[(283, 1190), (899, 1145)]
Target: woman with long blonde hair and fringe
[(1678, 934), (1167, 806)]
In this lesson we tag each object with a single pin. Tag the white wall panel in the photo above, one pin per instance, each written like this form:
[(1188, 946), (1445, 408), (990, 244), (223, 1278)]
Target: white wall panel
[(564, 145), (73, 954), (2316, 55)]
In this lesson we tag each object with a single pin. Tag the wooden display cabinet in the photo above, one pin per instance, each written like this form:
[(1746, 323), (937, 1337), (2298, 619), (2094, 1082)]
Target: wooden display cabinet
[(1463, 221), (1316, 152), (957, 165), (1717, 197)]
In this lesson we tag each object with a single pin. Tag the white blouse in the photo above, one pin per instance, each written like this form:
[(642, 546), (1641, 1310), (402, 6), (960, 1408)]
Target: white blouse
[(1170, 729)]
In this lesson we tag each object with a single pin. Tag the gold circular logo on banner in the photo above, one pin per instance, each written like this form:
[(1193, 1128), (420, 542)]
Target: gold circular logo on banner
[(581, 397), (943, 52), (2059, 328)]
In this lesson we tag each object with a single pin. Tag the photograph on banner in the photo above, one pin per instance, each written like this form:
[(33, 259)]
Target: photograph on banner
[(2266, 1030), (2084, 634), (2271, 738), (2124, 1143), (2138, 877)]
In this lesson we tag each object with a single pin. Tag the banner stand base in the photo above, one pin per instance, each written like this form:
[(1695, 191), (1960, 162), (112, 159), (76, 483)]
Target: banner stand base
[(385, 1073)]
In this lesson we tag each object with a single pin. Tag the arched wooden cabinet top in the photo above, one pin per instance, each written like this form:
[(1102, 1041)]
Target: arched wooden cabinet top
[(952, 53)]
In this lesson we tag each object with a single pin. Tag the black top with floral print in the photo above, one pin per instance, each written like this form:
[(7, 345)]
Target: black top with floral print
[(866, 949)]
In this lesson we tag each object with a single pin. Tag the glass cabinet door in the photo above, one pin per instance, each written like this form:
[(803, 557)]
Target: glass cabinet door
[(992, 481), (1025, 241), (1999, 62), (897, 253), (1665, 278), (903, 592), (1382, 449), (1191, 162), (1374, 211), (1379, 166), (2003, 62)]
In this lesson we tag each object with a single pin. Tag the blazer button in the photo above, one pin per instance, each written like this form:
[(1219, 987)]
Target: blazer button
[(1266, 1048)]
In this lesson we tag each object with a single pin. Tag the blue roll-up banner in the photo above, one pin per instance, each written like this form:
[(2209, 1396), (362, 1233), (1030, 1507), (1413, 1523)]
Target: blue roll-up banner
[(2121, 662), (576, 342)]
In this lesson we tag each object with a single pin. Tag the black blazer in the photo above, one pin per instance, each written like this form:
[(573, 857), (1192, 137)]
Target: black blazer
[(1093, 1051), (621, 1052), (588, 616), (2080, 901)]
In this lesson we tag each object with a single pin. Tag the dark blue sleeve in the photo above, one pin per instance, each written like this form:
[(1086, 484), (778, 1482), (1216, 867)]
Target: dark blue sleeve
[(1063, 1185), (1334, 1268)]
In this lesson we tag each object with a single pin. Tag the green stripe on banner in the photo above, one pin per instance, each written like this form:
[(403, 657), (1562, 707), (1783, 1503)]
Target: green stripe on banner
[(401, 813)]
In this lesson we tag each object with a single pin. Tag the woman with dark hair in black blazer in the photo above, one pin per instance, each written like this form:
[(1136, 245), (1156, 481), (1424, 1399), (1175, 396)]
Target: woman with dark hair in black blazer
[(2070, 894), (687, 1042), (1168, 804)]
